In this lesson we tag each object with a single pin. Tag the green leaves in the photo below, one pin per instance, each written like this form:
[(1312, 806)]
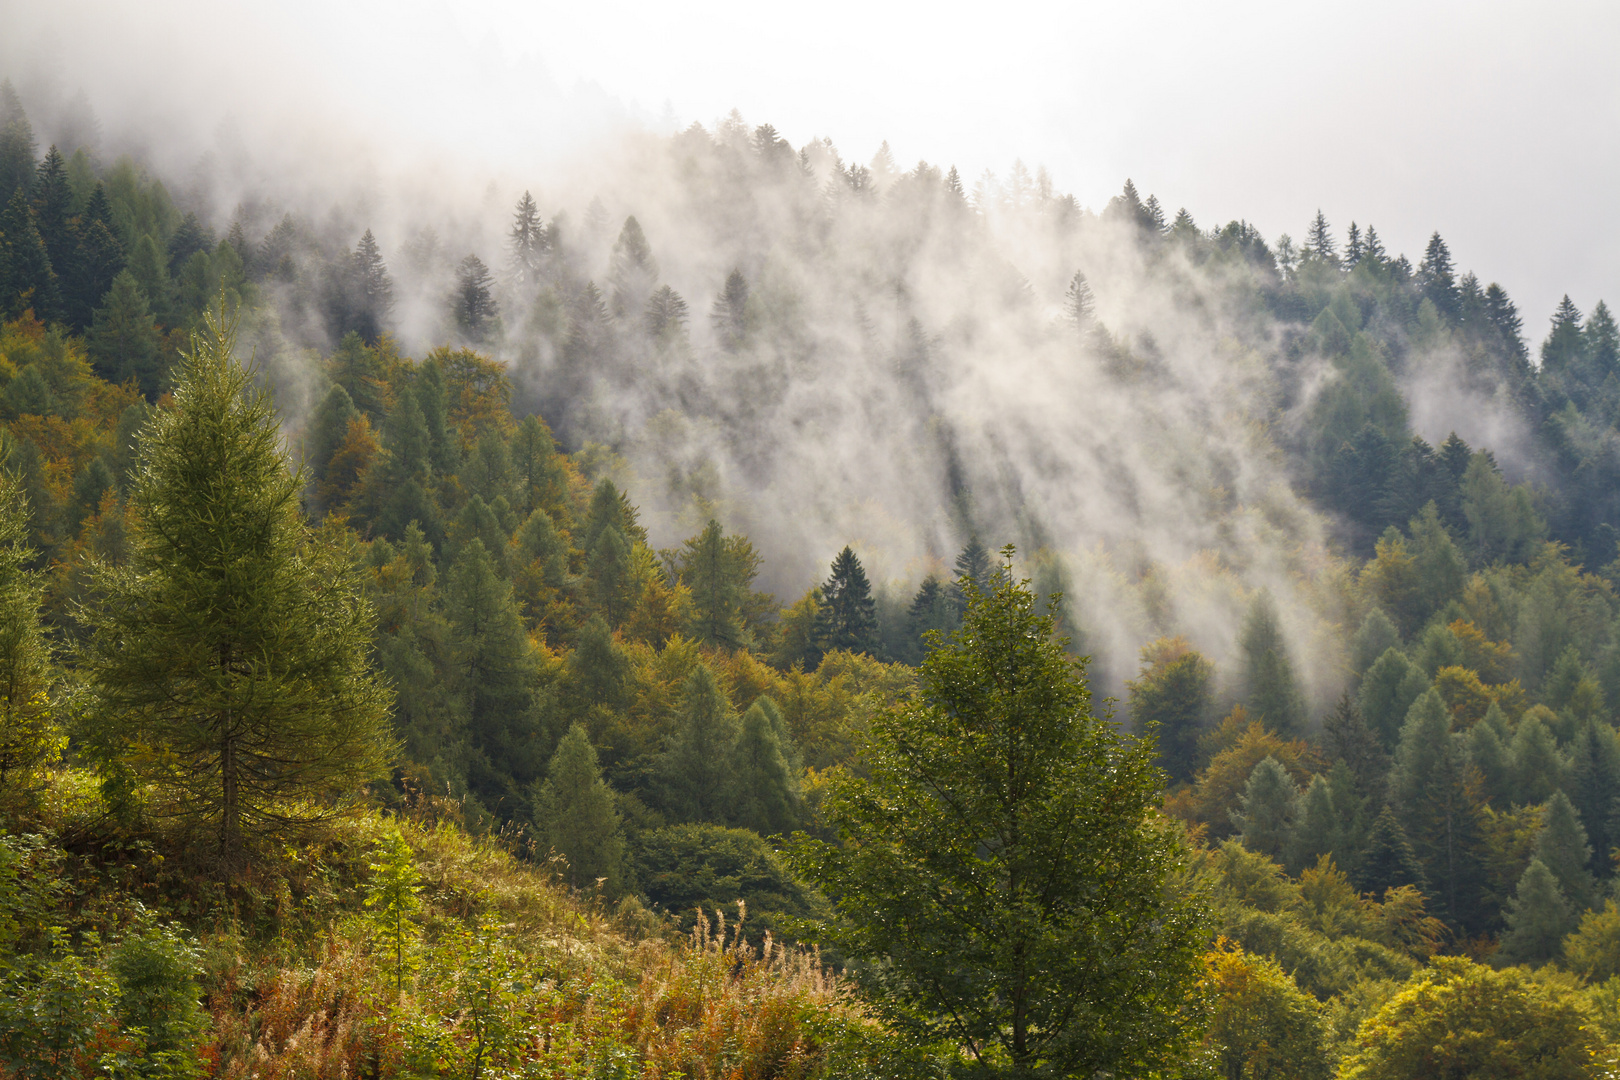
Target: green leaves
[(1001, 865)]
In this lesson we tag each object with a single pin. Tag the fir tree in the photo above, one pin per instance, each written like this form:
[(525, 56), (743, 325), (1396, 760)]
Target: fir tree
[(27, 733), (1267, 809), (765, 792), (1078, 302), (1172, 699), (371, 291), (1319, 242), (1538, 767), (1594, 788), (614, 586), (1376, 636), (632, 273), (1429, 785), (1493, 762), (1268, 675), (931, 610), (1538, 919), (151, 272), (575, 811), (597, 667), (326, 431), (29, 281), (123, 343), (52, 202), (1354, 249), (17, 146), (665, 315), (1387, 692), (848, 616), (695, 770), (1389, 861), (1437, 279), (97, 260), (94, 481), (1316, 831), (972, 568), (729, 315), (526, 242), (234, 649), (1562, 848), (472, 304), (1347, 739)]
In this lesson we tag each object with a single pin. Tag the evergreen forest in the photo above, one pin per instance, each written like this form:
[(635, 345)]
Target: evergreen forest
[(763, 615)]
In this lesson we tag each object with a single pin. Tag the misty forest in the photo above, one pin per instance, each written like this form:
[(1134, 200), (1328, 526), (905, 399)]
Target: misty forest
[(752, 614)]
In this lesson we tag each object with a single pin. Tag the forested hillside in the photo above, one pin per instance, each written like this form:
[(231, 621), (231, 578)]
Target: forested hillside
[(622, 536)]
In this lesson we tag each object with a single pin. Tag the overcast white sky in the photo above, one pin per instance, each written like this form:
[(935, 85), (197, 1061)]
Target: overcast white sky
[(1496, 123)]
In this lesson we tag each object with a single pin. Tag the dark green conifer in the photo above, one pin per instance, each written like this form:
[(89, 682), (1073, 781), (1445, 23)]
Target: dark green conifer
[(94, 481), (1594, 788), (1429, 785), (27, 733), (614, 587), (1268, 675), (848, 616), (1562, 847), (718, 570), (972, 567), (17, 146), (1317, 828), (1267, 809), (1387, 692), (1538, 767), (1376, 636), (1437, 279), (472, 303), (29, 283), (597, 667), (124, 343), (1389, 861), (326, 431), (537, 469), (729, 316)]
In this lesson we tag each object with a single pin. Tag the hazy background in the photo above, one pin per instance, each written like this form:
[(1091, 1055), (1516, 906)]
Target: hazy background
[(1496, 123)]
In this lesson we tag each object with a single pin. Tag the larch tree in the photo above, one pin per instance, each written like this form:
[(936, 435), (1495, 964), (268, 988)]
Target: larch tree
[(1002, 869), (230, 660), (1268, 675), (27, 734), (695, 769), (124, 343), (575, 811)]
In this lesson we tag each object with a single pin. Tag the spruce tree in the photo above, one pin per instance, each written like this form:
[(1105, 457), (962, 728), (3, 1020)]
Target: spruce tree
[(931, 610), (192, 237), (1539, 918), (537, 469), (1376, 636), (1538, 767), (434, 400), (632, 273), (1316, 829), (1594, 788), (972, 568), (1493, 762), (98, 259), (472, 304), (229, 662), (848, 616), (17, 146), (765, 791), (1563, 849), (123, 343), (326, 431), (694, 772), (665, 316), (614, 586), (52, 202), (151, 273), (27, 732), (1437, 279), (577, 816), (1268, 676), (1347, 740), (1319, 241), (526, 242), (729, 315), (1387, 692), (1429, 785), (1267, 809), (1173, 699), (597, 668), (30, 282), (1389, 861), (1079, 304)]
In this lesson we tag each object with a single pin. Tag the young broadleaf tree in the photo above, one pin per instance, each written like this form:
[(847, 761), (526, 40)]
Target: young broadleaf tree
[(1001, 863), (229, 660)]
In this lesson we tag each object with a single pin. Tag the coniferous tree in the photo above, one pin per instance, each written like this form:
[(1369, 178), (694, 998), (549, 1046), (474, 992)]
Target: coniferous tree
[(597, 667), (848, 616), (124, 343), (1354, 249), (576, 814), (1437, 279), (614, 586), (146, 262), (718, 570), (371, 291), (1268, 675), (494, 675), (665, 316), (1078, 303), (1538, 767), (972, 567), (1172, 698), (695, 770), (931, 610), (192, 237), (472, 304), (1348, 740), (1319, 242), (1389, 861), (632, 273), (729, 315), (1387, 692), (234, 649), (1267, 809), (1594, 788), (97, 260), (326, 431), (1562, 847), (27, 733), (1493, 762), (1316, 829), (537, 471), (1430, 786), (1376, 636), (526, 242), (94, 481), (52, 203), (17, 146), (30, 282), (1539, 918), (765, 790)]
